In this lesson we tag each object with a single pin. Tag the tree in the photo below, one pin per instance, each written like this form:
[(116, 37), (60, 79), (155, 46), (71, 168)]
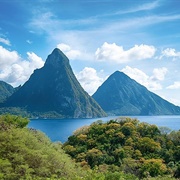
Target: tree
[(7, 121), (153, 167), (147, 145), (94, 157)]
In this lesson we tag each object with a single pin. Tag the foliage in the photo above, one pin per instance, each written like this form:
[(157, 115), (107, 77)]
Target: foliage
[(126, 145), (117, 150), (14, 111), (7, 121), (21, 111), (29, 154)]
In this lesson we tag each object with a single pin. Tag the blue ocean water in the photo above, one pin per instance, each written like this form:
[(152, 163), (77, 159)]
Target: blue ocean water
[(61, 129)]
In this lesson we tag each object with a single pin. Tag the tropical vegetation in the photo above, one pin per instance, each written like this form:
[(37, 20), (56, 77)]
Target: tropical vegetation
[(29, 154), (121, 149), (126, 145)]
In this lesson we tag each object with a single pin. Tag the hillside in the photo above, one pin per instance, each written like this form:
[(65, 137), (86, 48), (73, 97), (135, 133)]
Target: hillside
[(121, 95), (6, 90), (29, 154)]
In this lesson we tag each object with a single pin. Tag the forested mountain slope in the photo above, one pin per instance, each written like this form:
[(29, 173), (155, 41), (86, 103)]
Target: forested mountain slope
[(6, 90)]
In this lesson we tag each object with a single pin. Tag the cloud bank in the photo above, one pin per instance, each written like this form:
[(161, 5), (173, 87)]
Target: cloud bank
[(115, 53), (15, 70)]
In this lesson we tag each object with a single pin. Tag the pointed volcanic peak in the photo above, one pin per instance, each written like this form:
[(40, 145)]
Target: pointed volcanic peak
[(121, 95), (53, 91), (57, 58)]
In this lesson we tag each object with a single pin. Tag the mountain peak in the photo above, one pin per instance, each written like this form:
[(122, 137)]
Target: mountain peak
[(57, 58), (54, 91), (57, 51), (119, 74), (120, 78), (121, 95)]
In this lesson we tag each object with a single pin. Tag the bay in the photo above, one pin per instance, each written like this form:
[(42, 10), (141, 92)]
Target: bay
[(61, 129)]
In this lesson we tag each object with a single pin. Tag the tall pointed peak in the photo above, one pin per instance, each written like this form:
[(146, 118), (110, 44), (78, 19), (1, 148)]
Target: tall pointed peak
[(120, 76), (57, 58), (118, 73), (57, 51), (54, 91)]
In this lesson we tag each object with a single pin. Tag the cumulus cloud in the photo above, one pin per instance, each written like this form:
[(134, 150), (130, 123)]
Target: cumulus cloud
[(90, 79), (137, 75), (151, 82), (159, 73), (5, 41), (7, 57), (34, 60), (170, 53), (15, 70), (70, 53), (113, 52), (176, 85)]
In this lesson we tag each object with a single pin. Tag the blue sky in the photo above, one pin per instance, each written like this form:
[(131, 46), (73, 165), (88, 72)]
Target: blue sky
[(139, 37)]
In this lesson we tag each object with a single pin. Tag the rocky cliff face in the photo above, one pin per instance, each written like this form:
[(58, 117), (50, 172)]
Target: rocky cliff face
[(54, 90), (121, 95), (6, 90)]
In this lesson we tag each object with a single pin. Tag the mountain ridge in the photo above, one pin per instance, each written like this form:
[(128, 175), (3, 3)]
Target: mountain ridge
[(124, 96)]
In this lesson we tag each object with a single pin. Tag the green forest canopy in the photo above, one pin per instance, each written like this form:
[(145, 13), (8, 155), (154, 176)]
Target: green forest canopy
[(126, 145)]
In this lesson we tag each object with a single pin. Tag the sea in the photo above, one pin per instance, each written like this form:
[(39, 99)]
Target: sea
[(60, 129)]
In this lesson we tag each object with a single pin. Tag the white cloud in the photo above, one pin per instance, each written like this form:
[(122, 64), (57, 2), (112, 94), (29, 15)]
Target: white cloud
[(159, 73), (14, 69), (151, 82), (137, 75), (68, 51), (5, 41), (64, 47), (176, 85), (34, 60), (113, 52), (7, 57), (170, 53), (90, 79)]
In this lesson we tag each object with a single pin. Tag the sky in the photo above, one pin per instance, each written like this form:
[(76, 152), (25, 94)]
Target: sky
[(138, 37)]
